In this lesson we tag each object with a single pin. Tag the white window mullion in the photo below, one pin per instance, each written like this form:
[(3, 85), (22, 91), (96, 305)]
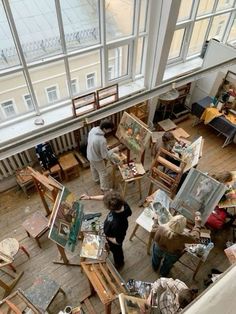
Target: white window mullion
[(228, 27), (103, 50), (134, 47)]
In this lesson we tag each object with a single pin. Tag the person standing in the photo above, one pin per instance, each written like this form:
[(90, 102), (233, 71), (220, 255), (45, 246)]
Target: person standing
[(115, 224), (97, 151), (169, 242)]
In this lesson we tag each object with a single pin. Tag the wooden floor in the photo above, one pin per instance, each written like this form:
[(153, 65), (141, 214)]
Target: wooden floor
[(15, 208)]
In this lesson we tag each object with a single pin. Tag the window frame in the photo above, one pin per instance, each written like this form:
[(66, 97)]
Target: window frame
[(95, 80), (57, 91), (26, 104), (13, 105)]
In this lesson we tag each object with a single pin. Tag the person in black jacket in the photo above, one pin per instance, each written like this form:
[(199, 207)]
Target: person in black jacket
[(116, 222)]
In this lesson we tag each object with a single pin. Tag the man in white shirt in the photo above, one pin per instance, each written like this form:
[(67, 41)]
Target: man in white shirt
[(97, 151)]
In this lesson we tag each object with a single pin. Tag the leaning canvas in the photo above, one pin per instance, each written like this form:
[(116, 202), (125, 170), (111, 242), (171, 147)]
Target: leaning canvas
[(199, 192), (131, 305), (133, 133), (67, 220)]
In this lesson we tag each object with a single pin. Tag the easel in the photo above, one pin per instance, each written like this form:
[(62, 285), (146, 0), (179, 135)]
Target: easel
[(50, 188), (9, 286)]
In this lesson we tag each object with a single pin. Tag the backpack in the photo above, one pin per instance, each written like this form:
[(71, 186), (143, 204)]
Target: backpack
[(217, 218)]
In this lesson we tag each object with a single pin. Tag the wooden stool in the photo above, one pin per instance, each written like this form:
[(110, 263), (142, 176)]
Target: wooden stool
[(10, 247), (54, 171), (43, 292), (167, 125), (69, 165), (105, 281), (193, 263), (36, 226), (8, 286), (24, 180), (146, 222)]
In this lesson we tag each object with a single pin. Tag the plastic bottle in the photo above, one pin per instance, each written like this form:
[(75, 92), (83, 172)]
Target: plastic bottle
[(208, 248)]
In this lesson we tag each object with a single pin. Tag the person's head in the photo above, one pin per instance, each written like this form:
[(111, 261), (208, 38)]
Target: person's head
[(113, 200), (223, 177), (186, 296), (106, 126), (168, 140), (177, 224)]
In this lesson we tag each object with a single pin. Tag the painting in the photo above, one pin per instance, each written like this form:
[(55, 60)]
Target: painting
[(139, 288), (133, 133), (192, 154), (160, 206), (226, 93), (93, 246), (199, 192), (231, 253), (66, 221), (131, 305)]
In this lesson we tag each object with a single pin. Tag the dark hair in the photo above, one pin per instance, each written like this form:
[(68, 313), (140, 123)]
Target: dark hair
[(185, 297), (106, 124), (113, 200), (167, 136), (223, 177)]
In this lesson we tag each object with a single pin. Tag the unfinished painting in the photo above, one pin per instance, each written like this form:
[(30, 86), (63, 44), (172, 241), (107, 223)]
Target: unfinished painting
[(199, 192), (66, 221), (192, 154), (133, 133)]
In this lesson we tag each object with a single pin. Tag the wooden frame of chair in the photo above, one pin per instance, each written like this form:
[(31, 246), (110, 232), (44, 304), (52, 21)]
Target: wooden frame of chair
[(160, 178), (107, 95), (87, 100)]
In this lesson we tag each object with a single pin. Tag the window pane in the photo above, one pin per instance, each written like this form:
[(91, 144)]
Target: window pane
[(81, 23), (143, 15), (176, 44), (13, 87), (185, 10), (232, 34), (49, 82), (198, 37), (8, 109), (8, 54), (29, 102), (84, 64), (91, 80), (139, 59), (118, 59), (37, 26), (119, 18), (74, 87), (218, 26), (205, 7), (224, 4)]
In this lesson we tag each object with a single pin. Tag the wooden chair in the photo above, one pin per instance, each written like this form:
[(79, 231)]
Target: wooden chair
[(107, 95), (84, 104), (164, 173), (69, 165)]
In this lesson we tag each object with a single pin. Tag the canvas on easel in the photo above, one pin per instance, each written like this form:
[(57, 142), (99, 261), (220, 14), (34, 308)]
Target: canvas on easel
[(133, 133), (192, 154), (66, 220), (199, 192)]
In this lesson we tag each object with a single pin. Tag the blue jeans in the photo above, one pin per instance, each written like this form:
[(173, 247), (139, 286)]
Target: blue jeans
[(168, 262)]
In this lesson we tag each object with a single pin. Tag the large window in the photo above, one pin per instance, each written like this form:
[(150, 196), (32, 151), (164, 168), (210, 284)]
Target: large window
[(198, 21), (58, 40)]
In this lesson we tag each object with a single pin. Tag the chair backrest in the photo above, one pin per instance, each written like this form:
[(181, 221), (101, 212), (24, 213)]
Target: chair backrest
[(166, 171)]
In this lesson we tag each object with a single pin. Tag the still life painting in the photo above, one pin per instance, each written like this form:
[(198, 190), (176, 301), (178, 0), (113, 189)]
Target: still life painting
[(133, 133), (93, 246), (67, 220), (199, 192)]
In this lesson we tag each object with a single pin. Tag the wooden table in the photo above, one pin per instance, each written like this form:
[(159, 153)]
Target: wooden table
[(105, 281), (43, 292), (24, 180), (36, 226), (69, 165)]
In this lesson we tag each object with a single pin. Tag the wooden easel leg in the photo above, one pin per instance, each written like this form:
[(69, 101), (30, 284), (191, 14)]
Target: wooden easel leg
[(134, 232), (124, 190), (139, 188), (64, 258), (150, 189), (108, 308)]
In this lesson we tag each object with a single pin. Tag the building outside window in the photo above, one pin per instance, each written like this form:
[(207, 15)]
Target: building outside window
[(8, 109), (198, 21), (52, 94), (29, 102), (74, 87), (90, 79)]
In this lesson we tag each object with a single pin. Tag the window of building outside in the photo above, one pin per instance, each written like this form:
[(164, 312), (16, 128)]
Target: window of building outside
[(74, 87), (232, 34), (90, 80), (198, 21), (8, 109), (44, 55), (52, 94), (29, 102)]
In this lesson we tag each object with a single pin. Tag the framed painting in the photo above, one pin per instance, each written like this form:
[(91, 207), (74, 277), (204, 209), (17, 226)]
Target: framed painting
[(133, 133), (199, 192), (66, 221)]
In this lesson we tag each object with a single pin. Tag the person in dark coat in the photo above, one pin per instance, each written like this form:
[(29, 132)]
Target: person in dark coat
[(115, 224)]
